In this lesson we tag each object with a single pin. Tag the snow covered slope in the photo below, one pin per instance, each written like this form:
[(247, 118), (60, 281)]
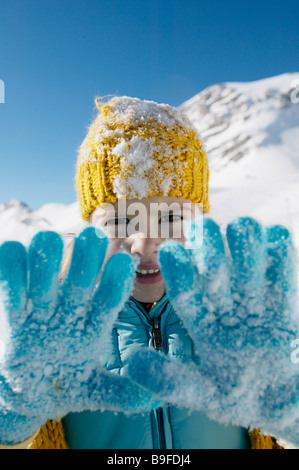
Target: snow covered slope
[(19, 222), (251, 131)]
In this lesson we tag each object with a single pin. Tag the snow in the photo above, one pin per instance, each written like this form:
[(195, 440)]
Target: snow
[(133, 111), (137, 155), (251, 131), (18, 222)]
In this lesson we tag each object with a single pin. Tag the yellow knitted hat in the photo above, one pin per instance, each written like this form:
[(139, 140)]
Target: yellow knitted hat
[(135, 149)]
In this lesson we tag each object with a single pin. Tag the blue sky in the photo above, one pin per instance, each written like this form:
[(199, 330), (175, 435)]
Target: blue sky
[(56, 56)]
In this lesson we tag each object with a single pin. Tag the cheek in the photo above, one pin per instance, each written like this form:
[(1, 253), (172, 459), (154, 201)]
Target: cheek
[(178, 234), (181, 240), (111, 250), (114, 246)]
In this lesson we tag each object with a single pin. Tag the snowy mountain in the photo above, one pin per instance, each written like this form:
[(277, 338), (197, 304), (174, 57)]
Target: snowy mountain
[(236, 118), (251, 132), (19, 222)]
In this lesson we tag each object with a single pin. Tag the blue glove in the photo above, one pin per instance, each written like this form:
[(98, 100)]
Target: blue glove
[(239, 305), (52, 334)]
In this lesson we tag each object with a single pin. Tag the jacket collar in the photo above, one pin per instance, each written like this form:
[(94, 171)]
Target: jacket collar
[(158, 309)]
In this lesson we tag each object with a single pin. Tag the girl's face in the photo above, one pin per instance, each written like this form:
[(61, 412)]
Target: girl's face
[(139, 226)]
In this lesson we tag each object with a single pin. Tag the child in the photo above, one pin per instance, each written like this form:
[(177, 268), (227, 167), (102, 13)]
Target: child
[(150, 154), (144, 157)]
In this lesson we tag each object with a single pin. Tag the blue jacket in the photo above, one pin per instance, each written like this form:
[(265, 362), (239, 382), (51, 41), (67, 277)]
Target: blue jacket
[(162, 428)]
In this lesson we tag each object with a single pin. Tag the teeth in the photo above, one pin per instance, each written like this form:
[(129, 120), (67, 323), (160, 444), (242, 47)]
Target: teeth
[(148, 271)]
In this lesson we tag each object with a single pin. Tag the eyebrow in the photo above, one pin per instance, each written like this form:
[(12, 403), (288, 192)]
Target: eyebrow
[(160, 210), (183, 206)]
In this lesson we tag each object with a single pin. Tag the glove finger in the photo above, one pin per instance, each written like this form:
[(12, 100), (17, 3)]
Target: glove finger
[(280, 276), (213, 252), (182, 285), (207, 253), (215, 271), (13, 286), (204, 243), (176, 266), (168, 380), (193, 233), (45, 254), (78, 288), (113, 291), (246, 243)]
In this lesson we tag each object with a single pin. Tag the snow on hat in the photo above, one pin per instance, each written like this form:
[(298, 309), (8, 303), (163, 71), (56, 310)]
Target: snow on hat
[(135, 149)]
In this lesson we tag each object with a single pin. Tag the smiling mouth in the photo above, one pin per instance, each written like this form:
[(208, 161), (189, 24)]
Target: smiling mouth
[(148, 276), (147, 271)]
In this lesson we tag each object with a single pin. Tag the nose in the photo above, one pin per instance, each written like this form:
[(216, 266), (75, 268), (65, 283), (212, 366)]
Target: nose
[(145, 247)]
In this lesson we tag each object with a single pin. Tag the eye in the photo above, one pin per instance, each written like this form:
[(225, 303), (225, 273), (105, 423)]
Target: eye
[(171, 218), (121, 220)]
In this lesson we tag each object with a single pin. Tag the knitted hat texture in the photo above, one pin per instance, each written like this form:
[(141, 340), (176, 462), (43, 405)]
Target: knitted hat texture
[(135, 149)]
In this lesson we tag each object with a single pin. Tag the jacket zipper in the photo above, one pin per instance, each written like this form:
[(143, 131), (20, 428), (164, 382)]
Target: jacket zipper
[(157, 334), (158, 344), (160, 421)]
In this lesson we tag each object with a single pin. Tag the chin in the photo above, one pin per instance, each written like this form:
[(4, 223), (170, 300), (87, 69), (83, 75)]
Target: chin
[(148, 295)]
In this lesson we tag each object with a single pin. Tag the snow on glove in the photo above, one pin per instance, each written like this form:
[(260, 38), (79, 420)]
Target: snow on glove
[(239, 306), (51, 333)]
